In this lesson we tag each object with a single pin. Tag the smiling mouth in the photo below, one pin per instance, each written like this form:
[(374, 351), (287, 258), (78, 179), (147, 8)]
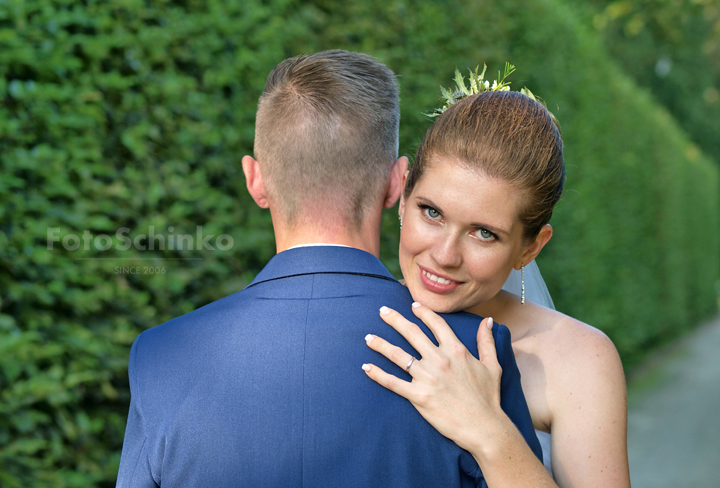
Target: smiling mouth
[(435, 283), (437, 279)]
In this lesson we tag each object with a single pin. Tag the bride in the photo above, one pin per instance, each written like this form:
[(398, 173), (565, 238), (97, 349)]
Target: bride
[(476, 206)]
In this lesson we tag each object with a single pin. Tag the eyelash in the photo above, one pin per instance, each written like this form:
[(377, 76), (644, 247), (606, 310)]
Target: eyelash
[(424, 208), (493, 236)]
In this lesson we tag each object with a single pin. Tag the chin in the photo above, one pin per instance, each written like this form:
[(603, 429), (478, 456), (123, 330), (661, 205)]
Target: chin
[(437, 303)]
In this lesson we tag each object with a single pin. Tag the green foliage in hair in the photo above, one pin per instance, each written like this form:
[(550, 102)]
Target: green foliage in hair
[(478, 84)]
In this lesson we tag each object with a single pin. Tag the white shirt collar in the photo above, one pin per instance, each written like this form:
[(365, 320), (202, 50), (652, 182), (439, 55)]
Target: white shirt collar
[(316, 245)]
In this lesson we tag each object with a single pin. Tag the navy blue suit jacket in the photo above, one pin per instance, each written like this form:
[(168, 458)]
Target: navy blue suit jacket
[(264, 387)]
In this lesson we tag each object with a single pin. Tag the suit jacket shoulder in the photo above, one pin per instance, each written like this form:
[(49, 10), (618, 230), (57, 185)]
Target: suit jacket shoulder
[(264, 387)]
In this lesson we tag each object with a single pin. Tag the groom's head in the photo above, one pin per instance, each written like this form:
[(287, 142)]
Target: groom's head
[(326, 135)]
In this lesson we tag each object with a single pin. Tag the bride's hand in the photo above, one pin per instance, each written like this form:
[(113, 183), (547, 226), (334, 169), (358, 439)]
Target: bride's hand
[(455, 392)]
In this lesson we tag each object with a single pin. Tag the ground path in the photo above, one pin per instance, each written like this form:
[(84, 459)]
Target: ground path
[(674, 415)]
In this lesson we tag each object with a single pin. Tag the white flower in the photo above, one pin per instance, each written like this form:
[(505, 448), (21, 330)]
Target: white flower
[(494, 85), (487, 84)]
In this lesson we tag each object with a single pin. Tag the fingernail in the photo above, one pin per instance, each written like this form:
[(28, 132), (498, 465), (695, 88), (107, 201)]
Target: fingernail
[(366, 367), (490, 322), (416, 304), (384, 310), (369, 337)]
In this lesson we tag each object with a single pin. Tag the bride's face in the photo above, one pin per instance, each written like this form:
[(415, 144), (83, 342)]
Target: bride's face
[(460, 237)]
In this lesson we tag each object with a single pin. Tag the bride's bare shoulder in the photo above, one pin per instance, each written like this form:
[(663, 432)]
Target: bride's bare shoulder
[(575, 353), (564, 340), (553, 336), (558, 328)]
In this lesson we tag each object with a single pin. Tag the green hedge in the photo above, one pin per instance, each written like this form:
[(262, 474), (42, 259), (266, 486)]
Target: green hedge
[(671, 47), (637, 239), (132, 114)]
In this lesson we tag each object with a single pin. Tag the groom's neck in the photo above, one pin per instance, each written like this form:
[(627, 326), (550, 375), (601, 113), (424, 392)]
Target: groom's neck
[(328, 229)]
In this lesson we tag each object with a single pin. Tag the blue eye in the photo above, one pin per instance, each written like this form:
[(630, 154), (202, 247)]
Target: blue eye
[(430, 212), (485, 235)]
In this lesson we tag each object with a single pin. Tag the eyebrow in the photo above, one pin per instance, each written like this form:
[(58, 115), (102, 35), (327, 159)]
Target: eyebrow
[(492, 228)]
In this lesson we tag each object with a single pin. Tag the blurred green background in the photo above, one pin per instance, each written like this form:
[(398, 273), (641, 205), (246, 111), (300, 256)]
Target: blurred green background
[(135, 114)]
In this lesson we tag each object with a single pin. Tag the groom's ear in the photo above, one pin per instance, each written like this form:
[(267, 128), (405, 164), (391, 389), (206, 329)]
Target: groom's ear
[(396, 183), (254, 181), (534, 249)]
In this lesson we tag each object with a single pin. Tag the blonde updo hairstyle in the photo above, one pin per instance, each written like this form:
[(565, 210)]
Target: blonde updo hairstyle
[(504, 135)]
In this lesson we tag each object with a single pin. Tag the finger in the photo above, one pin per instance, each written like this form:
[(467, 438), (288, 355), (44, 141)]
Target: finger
[(486, 343), (393, 353), (410, 331), (437, 325), (392, 383)]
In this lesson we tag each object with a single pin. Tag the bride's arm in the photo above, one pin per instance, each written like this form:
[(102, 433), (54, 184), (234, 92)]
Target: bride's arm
[(460, 396), (588, 400)]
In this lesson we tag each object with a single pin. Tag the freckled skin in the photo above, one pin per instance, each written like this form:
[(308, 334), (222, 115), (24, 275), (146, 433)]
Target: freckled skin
[(571, 373), (440, 234)]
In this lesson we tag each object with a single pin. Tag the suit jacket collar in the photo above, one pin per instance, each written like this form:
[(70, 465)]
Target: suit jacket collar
[(322, 259)]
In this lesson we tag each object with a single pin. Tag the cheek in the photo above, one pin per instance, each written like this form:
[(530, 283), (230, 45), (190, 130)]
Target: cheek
[(488, 266), (408, 249), (415, 239)]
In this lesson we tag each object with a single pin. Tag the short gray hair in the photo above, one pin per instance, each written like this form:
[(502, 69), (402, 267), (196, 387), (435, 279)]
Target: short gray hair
[(327, 131)]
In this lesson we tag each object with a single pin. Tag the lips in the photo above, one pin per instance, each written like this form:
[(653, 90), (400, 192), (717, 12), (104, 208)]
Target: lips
[(437, 283)]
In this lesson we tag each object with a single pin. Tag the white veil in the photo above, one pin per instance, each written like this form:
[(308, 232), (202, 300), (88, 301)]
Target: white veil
[(535, 289)]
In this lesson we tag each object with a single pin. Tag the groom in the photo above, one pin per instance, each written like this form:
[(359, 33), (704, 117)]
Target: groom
[(265, 387)]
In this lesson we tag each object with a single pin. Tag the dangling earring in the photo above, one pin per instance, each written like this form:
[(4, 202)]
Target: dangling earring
[(522, 284), (400, 217)]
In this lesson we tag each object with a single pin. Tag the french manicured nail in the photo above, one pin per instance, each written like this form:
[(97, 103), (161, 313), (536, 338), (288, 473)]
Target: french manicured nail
[(369, 337), (384, 310), (416, 304), (490, 322), (366, 367)]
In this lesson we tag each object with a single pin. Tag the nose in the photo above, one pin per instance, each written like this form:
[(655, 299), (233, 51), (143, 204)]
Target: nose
[(446, 252)]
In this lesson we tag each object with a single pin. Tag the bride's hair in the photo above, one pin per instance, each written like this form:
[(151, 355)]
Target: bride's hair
[(504, 135)]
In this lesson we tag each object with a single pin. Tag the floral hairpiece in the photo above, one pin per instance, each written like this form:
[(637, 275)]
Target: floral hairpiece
[(478, 84)]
